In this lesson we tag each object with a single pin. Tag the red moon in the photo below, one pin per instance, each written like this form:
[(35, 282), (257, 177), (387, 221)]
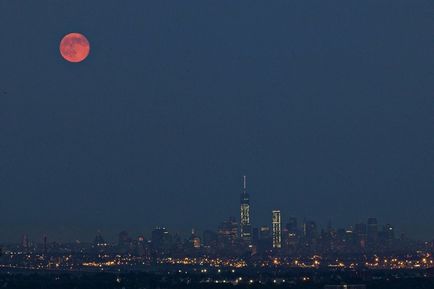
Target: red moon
[(74, 47)]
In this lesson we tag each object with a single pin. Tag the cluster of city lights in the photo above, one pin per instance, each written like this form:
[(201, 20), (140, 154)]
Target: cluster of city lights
[(204, 261)]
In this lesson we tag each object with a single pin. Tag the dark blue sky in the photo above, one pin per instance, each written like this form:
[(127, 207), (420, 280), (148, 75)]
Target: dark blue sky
[(327, 106)]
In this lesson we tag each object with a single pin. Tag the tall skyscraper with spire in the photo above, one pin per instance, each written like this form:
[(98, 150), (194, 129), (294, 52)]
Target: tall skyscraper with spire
[(245, 227)]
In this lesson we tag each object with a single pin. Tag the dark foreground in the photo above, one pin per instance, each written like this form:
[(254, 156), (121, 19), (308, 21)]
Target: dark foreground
[(47, 280)]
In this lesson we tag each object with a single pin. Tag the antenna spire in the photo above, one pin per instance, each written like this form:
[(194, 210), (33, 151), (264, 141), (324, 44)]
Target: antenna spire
[(244, 183)]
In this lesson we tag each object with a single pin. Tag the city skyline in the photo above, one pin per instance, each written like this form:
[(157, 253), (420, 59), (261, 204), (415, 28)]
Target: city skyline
[(245, 229)]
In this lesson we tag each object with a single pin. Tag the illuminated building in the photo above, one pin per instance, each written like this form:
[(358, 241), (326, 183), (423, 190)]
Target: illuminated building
[(264, 232), (389, 232), (194, 240), (264, 241), (245, 227), (277, 230), (228, 232)]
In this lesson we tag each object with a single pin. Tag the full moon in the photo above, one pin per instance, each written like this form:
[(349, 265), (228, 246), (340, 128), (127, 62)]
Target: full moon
[(74, 47)]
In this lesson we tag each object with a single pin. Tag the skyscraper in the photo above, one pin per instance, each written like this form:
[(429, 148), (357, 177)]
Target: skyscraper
[(292, 233), (245, 227), (277, 230), (360, 235), (161, 240), (194, 239), (372, 231), (228, 232), (310, 232)]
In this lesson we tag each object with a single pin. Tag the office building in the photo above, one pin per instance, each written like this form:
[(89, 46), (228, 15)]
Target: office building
[(277, 229)]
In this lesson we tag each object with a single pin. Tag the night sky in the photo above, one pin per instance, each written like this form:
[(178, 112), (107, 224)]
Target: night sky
[(326, 106)]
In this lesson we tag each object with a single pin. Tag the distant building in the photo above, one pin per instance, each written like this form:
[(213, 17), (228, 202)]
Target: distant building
[(360, 234), (277, 229), (255, 235), (25, 241), (372, 233), (263, 238), (292, 233), (209, 239), (194, 240), (310, 232), (245, 226), (228, 232), (141, 246), (161, 240), (99, 241), (292, 225), (124, 239), (387, 236), (389, 232), (264, 232), (124, 242)]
